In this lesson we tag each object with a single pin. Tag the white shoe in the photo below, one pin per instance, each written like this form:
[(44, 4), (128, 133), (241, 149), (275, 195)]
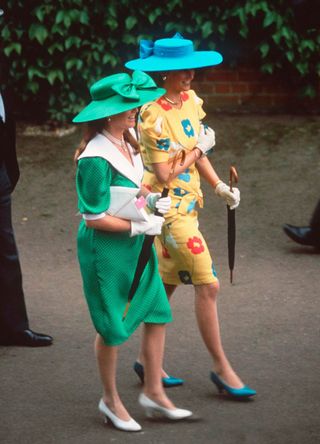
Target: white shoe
[(127, 426), (152, 407)]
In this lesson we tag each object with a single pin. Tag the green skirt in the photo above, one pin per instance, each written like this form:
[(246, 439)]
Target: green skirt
[(108, 262)]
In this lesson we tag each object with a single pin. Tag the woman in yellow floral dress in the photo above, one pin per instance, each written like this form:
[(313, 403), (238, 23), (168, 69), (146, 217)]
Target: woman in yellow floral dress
[(170, 124)]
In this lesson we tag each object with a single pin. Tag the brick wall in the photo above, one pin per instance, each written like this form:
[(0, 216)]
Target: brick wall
[(245, 89)]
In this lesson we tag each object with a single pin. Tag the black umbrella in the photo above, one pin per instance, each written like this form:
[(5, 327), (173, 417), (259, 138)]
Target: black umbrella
[(231, 225), (145, 252)]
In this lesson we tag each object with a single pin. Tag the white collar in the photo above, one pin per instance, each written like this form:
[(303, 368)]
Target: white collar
[(100, 146)]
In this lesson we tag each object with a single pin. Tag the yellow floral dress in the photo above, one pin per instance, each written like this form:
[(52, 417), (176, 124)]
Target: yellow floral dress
[(163, 132)]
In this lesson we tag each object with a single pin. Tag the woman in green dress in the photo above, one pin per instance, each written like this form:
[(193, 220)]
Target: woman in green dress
[(110, 236)]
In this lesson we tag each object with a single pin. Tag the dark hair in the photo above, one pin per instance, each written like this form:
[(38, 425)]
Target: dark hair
[(91, 129), (128, 137)]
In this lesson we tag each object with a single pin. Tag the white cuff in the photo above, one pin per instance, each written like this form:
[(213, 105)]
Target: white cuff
[(87, 216)]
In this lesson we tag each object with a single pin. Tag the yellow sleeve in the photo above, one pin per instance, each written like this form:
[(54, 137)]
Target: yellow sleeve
[(199, 102), (154, 137)]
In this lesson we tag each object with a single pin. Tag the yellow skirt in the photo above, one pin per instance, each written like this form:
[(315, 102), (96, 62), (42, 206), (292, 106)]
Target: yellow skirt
[(183, 254)]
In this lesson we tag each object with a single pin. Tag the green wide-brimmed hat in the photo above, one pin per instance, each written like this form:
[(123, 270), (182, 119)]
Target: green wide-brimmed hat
[(172, 54), (118, 93)]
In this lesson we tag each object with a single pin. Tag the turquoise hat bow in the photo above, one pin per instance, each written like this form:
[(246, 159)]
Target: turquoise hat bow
[(147, 49)]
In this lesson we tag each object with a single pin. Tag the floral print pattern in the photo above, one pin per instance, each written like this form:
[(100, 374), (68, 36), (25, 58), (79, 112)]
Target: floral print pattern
[(179, 192), (191, 206), (214, 272), (187, 127), (164, 104), (184, 257), (185, 176), (195, 245), (163, 144), (170, 240), (185, 277), (184, 96)]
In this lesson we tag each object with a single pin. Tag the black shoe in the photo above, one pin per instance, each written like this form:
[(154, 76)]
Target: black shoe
[(27, 338), (302, 235)]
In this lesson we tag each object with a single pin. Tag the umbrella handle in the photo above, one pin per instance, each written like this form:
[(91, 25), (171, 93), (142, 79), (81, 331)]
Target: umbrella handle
[(233, 175), (181, 155)]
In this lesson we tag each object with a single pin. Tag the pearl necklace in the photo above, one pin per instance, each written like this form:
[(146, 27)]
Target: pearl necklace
[(119, 142)]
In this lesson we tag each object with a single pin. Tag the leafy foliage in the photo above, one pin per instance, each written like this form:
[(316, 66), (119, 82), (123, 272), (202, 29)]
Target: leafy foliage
[(284, 36), (54, 50)]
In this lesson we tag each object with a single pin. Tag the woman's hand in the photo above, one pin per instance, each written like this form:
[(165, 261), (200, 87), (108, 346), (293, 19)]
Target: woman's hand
[(231, 197), (156, 202), (206, 139), (152, 227)]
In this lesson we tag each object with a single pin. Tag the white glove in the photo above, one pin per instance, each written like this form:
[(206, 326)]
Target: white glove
[(152, 226), (231, 197), (156, 202), (206, 139)]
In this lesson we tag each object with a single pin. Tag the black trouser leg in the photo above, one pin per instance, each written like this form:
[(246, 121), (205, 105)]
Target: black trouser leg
[(13, 314)]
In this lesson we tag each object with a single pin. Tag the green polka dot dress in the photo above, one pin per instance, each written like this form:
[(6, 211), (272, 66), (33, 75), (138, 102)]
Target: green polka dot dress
[(108, 261)]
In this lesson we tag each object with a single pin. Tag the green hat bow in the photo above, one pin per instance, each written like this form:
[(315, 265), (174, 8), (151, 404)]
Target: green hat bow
[(129, 90), (117, 93)]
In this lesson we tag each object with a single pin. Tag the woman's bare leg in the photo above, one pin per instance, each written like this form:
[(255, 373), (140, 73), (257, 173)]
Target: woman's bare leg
[(169, 290), (152, 355), (208, 322), (107, 364)]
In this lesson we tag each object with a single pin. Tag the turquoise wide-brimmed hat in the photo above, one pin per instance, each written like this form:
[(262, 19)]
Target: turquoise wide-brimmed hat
[(118, 93), (172, 54)]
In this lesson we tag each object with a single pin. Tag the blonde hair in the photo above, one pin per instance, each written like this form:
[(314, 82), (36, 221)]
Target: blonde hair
[(91, 129)]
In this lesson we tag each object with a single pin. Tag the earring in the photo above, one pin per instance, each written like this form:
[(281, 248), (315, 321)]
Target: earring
[(164, 78), (109, 119)]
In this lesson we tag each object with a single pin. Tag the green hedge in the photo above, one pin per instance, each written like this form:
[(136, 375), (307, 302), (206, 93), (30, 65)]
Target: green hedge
[(54, 50)]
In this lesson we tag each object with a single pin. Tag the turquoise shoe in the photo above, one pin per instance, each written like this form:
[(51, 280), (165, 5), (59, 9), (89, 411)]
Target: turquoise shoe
[(169, 381), (242, 393)]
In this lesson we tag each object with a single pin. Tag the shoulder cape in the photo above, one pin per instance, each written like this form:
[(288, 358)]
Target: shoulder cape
[(100, 146)]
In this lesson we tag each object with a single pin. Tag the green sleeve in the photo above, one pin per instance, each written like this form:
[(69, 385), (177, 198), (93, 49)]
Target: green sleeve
[(93, 182)]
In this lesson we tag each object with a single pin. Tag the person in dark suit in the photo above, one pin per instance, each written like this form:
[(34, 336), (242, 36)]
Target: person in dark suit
[(14, 324), (308, 235)]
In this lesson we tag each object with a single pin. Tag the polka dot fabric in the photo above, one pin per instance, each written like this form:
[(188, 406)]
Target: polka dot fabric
[(108, 262), (93, 177)]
